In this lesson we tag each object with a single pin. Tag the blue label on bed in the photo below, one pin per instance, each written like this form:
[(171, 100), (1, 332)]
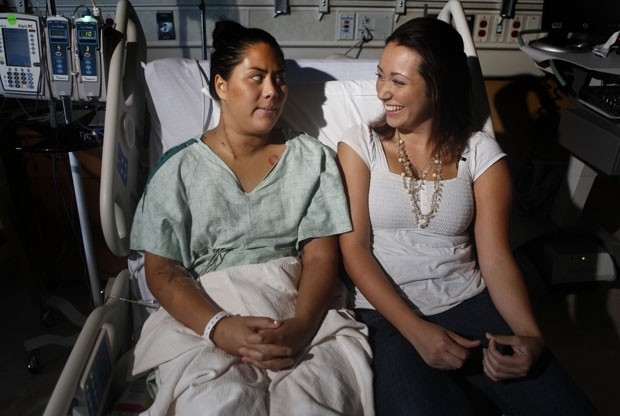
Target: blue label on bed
[(122, 164), (98, 378), (91, 391)]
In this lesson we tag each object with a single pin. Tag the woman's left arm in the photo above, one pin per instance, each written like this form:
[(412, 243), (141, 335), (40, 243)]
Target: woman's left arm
[(493, 196), (319, 257)]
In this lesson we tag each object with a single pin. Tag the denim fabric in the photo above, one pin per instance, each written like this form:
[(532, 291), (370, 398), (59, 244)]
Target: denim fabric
[(405, 385)]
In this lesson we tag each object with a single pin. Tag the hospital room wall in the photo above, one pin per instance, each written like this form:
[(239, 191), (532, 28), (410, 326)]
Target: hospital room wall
[(304, 32)]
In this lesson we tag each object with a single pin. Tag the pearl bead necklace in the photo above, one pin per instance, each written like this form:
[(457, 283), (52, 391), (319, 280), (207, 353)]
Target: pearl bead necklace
[(414, 185)]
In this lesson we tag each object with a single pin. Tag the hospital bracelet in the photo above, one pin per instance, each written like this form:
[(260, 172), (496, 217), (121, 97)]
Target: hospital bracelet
[(212, 322)]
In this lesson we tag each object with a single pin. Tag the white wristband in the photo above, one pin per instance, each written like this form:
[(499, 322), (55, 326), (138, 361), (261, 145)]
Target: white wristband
[(212, 322)]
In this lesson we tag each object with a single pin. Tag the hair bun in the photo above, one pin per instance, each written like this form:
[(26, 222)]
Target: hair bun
[(224, 29)]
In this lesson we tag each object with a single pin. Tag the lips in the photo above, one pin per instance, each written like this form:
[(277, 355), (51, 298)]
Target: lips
[(273, 110)]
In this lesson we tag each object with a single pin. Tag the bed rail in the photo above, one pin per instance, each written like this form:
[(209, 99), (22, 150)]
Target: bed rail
[(453, 13), (115, 317), (125, 132)]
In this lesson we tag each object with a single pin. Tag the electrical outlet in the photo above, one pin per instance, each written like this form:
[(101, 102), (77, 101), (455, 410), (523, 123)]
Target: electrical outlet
[(516, 26), (482, 27)]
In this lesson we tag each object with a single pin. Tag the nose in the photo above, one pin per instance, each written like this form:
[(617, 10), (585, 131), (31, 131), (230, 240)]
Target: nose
[(383, 91), (271, 88)]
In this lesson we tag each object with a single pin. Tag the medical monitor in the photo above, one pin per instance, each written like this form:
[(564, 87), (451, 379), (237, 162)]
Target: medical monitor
[(579, 24), (20, 55), (16, 47)]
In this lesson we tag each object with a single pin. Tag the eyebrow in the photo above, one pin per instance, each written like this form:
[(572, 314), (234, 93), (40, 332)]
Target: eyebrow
[(264, 71), (392, 73)]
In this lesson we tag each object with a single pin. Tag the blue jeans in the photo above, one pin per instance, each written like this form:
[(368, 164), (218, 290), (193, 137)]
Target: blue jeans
[(405, 385)]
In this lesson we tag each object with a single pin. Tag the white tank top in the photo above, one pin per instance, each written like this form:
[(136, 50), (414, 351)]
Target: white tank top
[(435, 268)]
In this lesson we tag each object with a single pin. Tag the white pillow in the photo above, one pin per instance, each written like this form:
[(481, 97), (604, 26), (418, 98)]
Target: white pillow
[(325, 98), (178, 106), (326, 110), (310, 71)]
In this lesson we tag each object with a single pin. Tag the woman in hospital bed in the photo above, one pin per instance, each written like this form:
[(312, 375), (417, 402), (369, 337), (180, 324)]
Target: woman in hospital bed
[(239, 229)]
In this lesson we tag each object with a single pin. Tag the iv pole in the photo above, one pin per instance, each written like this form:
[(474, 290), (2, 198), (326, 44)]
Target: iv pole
[(203, 31)]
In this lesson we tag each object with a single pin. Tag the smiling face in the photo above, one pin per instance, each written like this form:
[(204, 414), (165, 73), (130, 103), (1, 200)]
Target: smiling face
[(253, 97), (402, 89)]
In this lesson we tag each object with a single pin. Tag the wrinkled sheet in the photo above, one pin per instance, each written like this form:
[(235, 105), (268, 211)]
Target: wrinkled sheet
[(332, 376)]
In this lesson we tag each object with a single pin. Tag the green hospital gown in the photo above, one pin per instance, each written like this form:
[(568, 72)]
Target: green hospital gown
[(194, 210)]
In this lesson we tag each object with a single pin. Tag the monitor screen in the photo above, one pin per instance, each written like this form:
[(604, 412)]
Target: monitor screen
[(87, 35), (597, 19), (58, 34), (16, 49)]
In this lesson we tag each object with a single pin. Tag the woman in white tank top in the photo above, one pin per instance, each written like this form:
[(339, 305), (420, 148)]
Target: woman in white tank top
[(451, 327)]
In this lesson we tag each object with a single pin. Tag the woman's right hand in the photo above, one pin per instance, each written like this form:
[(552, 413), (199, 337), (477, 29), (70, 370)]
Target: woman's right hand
[(230, 335), (439, 347)]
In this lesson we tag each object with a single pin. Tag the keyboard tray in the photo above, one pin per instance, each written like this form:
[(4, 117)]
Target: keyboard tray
[(604, 99)]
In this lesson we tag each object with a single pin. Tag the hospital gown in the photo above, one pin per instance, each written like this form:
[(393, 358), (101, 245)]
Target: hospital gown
[(194, 210)]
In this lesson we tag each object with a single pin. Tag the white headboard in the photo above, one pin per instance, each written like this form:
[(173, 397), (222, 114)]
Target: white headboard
[(326, 96)]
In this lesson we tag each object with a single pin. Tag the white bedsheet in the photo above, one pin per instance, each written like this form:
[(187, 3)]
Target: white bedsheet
[(332, 376)]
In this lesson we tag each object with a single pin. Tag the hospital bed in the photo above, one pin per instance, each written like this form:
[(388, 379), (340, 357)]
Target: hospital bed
[(152, 107)]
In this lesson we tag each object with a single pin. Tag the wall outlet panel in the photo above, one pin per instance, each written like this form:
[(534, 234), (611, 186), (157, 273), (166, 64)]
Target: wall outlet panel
[(482, 26), (498, 29), (486, 35), (379, 25), (346, 26), (516, 25)]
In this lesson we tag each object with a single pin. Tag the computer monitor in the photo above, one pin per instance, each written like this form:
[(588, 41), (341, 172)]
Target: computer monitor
[(579, 24)]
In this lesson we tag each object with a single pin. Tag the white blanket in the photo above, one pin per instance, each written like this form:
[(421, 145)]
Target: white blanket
[(331, 377)]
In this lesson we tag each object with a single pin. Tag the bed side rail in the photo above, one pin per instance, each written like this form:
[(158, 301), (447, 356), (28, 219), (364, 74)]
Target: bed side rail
[(124, 164), (115, 317), (453, 13)]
